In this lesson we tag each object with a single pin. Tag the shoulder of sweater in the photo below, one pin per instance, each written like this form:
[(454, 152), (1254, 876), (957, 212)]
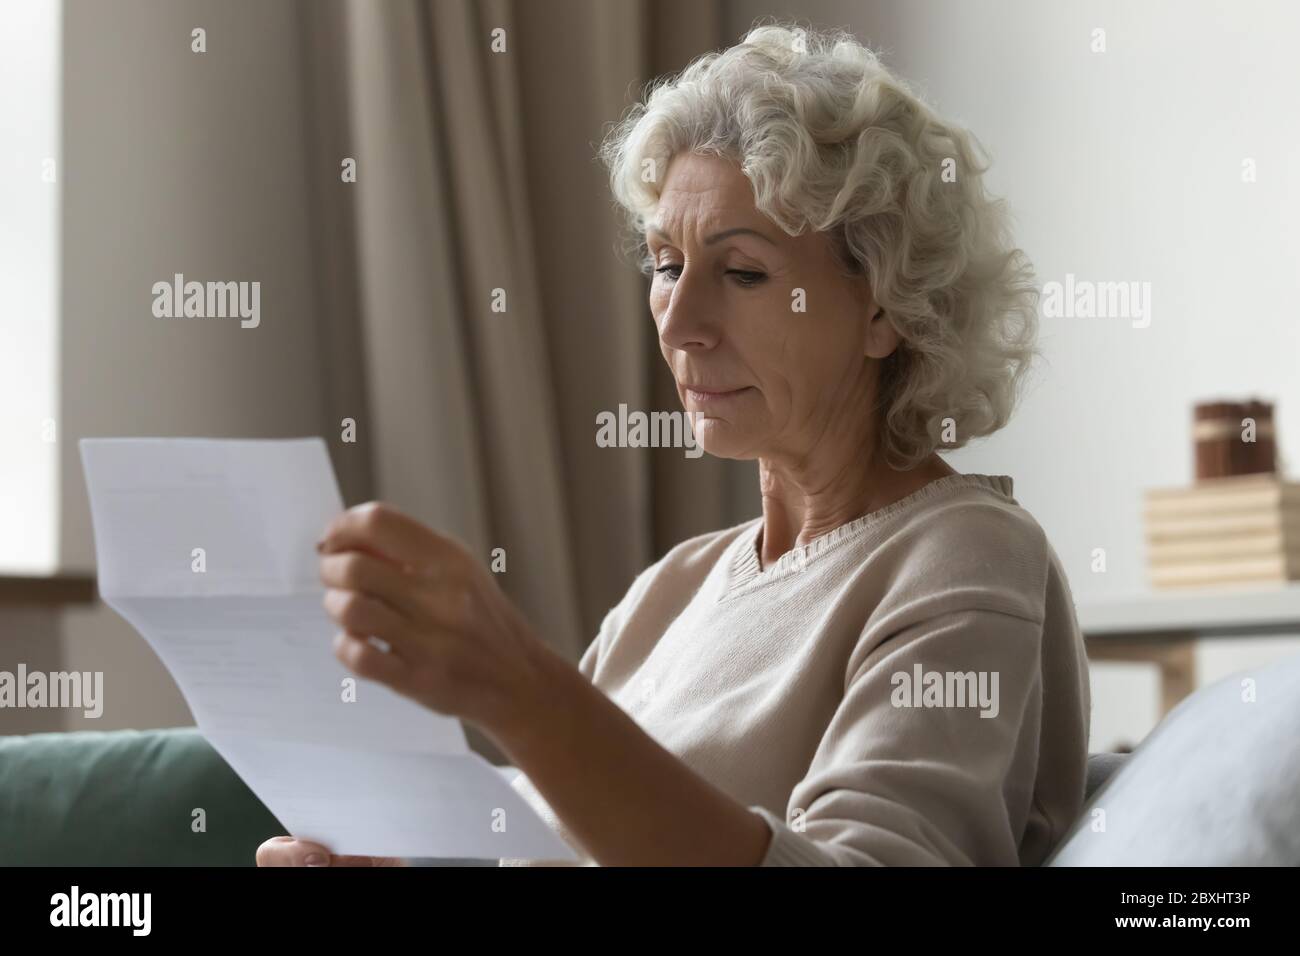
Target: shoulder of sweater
[(975, 547), (978, 518)]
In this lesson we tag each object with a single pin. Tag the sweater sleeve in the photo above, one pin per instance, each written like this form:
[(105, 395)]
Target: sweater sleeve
[(921, 763)]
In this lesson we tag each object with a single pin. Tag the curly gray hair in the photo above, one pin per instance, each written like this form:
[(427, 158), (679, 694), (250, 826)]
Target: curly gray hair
[(832, 141)]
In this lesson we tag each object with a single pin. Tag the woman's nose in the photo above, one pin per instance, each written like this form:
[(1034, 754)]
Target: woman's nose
[(690, 320)]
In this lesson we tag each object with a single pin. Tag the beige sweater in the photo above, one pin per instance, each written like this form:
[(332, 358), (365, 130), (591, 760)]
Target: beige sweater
[(910, 688)]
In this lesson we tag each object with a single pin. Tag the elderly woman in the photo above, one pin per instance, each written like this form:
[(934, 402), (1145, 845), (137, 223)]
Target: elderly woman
[(883, 668)]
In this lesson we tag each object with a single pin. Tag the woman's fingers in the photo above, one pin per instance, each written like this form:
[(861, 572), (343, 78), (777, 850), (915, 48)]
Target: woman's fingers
[(380, 599), (385, 530), (367, 661), (360, 613), (450, 639), (366, 861), (354, 571), (290, 851), (359, 617)]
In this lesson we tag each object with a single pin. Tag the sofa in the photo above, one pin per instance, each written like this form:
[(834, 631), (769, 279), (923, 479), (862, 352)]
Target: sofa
[(148, 798), (1216, 783), (125, 798)]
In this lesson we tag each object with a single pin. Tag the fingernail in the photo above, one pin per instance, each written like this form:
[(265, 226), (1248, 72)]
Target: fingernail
[(315, 859), (320, 545)]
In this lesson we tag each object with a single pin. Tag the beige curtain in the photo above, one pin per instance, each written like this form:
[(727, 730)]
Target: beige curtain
[(477, 172)]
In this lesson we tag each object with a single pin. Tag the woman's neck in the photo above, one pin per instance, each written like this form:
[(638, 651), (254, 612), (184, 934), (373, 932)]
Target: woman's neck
[(804, 502)]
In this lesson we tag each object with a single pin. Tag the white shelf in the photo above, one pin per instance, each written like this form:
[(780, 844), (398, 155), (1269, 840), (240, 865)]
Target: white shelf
[(1225, 611)]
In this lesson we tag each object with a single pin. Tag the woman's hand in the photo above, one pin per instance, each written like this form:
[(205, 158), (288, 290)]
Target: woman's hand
[(289, 851), (458, 646), (456, 643)]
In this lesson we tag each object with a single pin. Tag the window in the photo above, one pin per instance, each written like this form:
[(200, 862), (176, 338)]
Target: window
[(30, 184)]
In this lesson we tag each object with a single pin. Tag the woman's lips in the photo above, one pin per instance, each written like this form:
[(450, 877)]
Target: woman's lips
[(713, 396)]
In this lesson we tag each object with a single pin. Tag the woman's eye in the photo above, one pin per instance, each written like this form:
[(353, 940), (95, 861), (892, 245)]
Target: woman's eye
[(746, 277)]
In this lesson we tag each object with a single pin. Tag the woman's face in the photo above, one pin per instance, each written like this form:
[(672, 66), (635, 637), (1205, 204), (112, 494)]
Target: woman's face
[(759, 377)]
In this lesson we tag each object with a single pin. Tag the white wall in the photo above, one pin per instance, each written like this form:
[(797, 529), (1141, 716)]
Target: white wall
[(1122, 165)]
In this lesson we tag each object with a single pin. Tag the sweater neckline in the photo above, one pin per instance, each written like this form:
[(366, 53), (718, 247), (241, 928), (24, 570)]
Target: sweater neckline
[(745, 569)]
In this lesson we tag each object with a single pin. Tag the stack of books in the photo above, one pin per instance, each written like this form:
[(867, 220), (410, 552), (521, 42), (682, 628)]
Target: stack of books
[(1243, 529)]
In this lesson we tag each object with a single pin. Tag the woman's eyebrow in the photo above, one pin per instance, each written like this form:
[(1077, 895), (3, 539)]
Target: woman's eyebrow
[(718, 236)]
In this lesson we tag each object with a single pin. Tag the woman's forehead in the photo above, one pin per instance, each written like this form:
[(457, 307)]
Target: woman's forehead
[(709, 221), (693, 177)]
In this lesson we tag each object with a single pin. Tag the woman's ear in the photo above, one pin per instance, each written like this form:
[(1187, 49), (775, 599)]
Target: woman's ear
[(881, 338)]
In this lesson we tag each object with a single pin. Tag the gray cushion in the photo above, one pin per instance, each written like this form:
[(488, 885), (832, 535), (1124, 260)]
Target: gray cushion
[(1101, 767), (1217, 783)]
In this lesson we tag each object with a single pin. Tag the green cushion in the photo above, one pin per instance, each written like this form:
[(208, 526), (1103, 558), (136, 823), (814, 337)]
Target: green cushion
[(125, 798)]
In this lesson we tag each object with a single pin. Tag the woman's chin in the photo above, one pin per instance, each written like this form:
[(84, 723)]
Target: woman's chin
[(723, 439)]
